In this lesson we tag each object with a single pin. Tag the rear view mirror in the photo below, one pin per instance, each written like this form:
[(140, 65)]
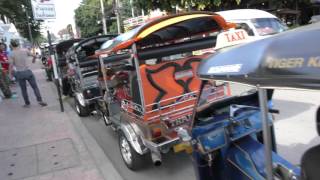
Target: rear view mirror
[(318, 121)]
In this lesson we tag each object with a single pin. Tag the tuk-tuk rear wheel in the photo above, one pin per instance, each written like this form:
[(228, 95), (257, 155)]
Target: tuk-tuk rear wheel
[(131, 158), (106, 119), (82, 111)]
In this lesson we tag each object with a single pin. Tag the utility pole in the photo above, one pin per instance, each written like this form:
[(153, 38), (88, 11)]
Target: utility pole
[(29, 28), (28, 23), (104, 23), (55, 71), (132, 8), (118, 16)]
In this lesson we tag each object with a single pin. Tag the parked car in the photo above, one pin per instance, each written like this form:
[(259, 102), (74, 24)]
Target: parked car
[(258, 24)]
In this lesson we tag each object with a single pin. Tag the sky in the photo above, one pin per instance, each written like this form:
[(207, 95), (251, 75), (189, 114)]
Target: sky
[(64, 15)]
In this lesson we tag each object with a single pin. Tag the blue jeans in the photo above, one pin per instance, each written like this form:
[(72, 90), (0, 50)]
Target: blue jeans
[(23, 77)]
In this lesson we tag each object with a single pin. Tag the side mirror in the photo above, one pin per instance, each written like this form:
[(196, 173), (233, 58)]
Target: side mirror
[(318, 120)]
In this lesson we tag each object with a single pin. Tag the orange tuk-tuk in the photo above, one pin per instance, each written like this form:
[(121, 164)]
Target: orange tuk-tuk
[(149, 82)]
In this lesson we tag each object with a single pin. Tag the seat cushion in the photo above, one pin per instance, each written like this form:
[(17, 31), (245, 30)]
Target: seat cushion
[(310, 164)]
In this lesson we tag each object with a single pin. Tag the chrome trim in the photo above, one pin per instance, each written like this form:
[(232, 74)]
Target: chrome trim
[(89, 73), (103, 70), (184, 110), (134, 139), (81, 99), (136, 62), (175, 97), (157, 147), (98, 97), (78, 72)]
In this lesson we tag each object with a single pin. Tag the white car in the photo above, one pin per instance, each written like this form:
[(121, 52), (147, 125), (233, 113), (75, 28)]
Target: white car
[(257, 23)]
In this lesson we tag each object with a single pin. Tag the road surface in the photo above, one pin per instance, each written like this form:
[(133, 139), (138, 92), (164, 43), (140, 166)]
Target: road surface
[(295, 132)]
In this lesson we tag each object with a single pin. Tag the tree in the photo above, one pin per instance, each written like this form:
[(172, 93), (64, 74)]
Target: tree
[(16, 14), (212, 5), (88, 17), (170, 5)]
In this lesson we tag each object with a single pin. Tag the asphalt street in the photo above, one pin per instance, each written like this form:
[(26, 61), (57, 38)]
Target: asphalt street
[(295, 132), (174, 166)]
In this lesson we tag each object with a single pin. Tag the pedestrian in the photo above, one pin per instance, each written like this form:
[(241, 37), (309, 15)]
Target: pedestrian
[(18, 58), (49, 68), (4, 72), (4, 57)]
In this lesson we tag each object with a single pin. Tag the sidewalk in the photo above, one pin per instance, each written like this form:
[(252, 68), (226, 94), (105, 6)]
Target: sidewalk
[(41, 143)]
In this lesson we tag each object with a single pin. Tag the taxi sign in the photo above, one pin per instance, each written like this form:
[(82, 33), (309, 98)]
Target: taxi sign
[(231, 38)]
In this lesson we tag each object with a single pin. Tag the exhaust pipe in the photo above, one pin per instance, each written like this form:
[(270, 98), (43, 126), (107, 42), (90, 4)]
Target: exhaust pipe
[(156, 159)]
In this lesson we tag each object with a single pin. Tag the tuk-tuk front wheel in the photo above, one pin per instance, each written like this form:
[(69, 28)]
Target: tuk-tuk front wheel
[(131, 158), (82, 111)]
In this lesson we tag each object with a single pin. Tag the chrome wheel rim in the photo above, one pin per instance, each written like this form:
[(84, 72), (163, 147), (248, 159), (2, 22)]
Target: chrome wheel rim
[(106, 119), (77, 108), (125, 150)]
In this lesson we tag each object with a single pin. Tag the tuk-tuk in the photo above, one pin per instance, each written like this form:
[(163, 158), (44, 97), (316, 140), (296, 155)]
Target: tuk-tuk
[(225, 135), (60, 54), (148, 79), (81, 77)]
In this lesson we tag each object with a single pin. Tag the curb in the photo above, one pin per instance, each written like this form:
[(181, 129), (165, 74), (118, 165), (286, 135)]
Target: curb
[(103, 163)]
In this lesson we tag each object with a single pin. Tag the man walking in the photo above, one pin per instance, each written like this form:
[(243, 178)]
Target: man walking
[(18, 58)]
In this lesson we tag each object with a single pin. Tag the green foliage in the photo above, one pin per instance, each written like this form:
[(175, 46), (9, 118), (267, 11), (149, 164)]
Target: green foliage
[(40, 39), (13, 10), (169, 5), (88, 16)]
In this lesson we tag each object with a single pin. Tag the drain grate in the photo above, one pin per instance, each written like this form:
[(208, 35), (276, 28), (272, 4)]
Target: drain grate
[(38, 159)]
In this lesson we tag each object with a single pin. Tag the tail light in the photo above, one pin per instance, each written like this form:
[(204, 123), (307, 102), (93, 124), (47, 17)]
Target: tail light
[(156, 132)]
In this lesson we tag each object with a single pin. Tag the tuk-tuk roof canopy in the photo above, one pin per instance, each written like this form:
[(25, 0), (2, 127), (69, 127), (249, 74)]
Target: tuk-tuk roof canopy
[(65, 45), (166, 29), (290, 59), (92, 40)]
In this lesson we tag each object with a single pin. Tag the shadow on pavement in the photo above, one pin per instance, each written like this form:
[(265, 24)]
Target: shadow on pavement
[(290, 108), (294, 152)]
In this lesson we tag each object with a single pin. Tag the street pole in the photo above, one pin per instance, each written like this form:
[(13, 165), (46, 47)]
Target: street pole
[(118, 16), (29, 27), (55, 71), (104, 23), (132, 8)]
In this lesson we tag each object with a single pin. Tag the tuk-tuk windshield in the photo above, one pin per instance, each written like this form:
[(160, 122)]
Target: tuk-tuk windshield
[(268, 26)]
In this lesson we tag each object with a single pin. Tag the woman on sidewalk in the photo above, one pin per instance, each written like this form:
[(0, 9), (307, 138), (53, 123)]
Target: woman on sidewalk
[(18, 58), (4, 69)]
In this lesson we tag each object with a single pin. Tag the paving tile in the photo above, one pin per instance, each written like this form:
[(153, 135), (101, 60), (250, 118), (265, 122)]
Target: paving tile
[(57, 155), (18, 163)]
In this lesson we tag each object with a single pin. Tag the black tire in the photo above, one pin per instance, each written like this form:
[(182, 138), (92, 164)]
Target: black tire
[(103, 109), (106, 118), (4, 86), (70, 93), (137, 160), (66, 88), (82, 111)]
